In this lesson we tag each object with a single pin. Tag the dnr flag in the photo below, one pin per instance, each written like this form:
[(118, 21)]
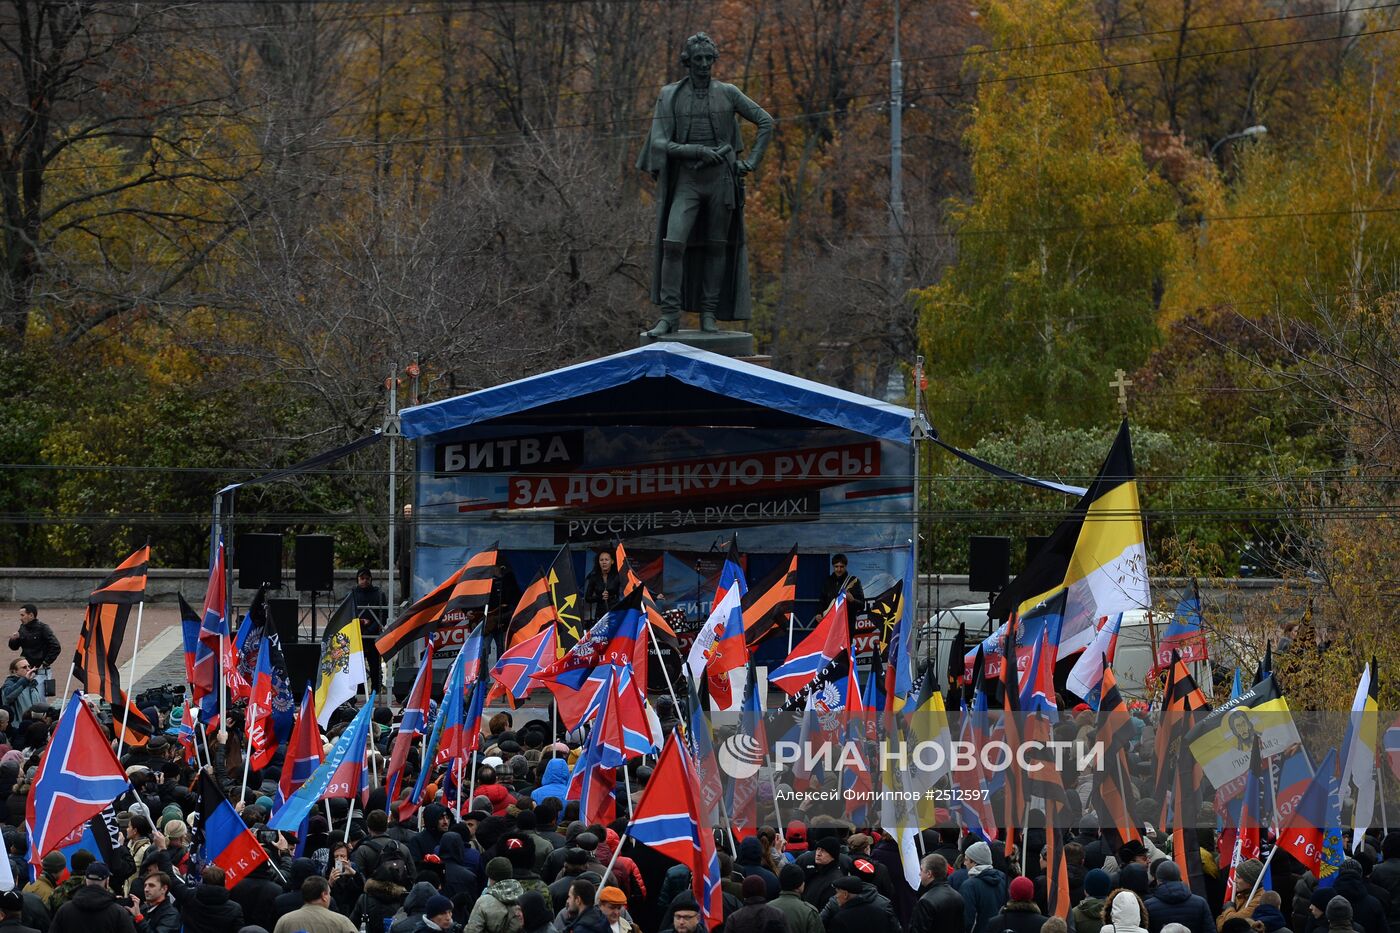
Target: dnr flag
[(1223, 740), (342, 667), (1097, 555)]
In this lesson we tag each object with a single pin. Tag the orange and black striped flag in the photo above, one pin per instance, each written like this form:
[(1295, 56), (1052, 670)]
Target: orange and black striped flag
[(770, 601), (631, 582), (474, 585), (100, 641), (534, 613), (419, 620), (127, 584), (1180, 700), (1111, 794)]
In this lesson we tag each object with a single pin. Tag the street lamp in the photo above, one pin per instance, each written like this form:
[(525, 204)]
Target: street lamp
[(1257, 129)]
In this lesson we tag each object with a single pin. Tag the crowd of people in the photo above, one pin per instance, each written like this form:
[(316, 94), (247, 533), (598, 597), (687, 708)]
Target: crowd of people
[(515, 858)]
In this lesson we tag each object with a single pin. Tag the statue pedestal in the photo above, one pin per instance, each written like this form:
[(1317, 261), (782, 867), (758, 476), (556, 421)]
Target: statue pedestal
[(725, 342)]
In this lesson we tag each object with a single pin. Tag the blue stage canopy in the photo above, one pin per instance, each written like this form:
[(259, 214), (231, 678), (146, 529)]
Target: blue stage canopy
[(682, 384)]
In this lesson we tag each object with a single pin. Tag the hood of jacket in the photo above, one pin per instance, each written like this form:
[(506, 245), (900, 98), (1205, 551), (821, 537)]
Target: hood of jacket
[(384, 890), (431, 814), (507, 891), (210, 895), (417, 900), (989, 876), (92, 898), (1172, 892), (499, 795), (555, 772), (301, 869), (451, 849), (1091, 907), (859, 900), (750, 852), (1270, 916), (1021, 907), (1124, 911), (1351, 885)]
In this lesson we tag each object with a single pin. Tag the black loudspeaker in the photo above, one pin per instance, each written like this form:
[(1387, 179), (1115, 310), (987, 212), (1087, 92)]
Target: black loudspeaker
[(259, 561), (283, 611), (315, 563), (988, 563), (1033, 545), (301, 665)]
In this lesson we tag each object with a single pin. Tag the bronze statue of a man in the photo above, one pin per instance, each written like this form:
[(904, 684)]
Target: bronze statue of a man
[(700, 262)]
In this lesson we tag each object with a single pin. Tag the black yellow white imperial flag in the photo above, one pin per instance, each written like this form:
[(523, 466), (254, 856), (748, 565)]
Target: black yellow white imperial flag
[(1097, 554)]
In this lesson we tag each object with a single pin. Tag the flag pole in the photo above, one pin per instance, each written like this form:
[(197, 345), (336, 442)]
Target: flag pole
[(248, 746), (651, 636), (1262, 872), (627, 786), (130, 678), (607, 871), (1380, 792), (553, 726), (203, 733), (790, 621), (459, 784)]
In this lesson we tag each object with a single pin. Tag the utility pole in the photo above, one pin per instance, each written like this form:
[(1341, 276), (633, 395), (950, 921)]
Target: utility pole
[(895, 384)]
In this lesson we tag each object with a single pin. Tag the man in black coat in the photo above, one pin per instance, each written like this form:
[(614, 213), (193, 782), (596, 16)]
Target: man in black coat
[(826, 868), (206, 907), (1386, 876), (257, 894), (93, 908), (11, 912), (155, 910), (436, 820), (756, 916), (36, 642), (861, 909), (939, 908), (1173, 902)]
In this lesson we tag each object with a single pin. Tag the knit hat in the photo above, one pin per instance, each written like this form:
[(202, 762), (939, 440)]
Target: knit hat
[(1338, 911), (1248, 873), (437, 904), (499, 869), (686, 901), (1097, 883), (979, 853), (1321, 897), (755, 886), (612, 895), (1390, 846), (791, 877), (831, 845), (11, 902), (55, 862), (1167, 870), (1134, 878), (1022, 889)]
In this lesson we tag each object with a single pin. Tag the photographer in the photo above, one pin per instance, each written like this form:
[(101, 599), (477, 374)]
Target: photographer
[(37, 644), (21, 691)]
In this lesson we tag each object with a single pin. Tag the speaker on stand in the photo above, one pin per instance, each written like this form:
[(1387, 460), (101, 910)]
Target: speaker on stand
[(258, 558), (315, 569), (988, 566)]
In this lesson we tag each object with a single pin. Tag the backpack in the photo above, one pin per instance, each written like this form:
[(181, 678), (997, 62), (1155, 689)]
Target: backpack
[(386, 852)]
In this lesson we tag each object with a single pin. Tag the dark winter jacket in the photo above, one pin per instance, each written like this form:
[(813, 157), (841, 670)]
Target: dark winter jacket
[(381, 900), (13, 925), (591, 920), (1173, 902), (162, 918), (1018, 917), (1366, 909), (756, 917), (457, 878), (426, 841), (984, 895), (1273, 920), (940, 908), (885, 853), (866, 912), (206, 908), (1088, 915), (93, 909), (821, 883), (257, 894), (38, 645), (750, 862), (1386, 876)]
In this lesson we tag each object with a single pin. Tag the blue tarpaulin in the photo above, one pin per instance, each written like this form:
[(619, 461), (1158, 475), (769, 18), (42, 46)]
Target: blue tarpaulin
[(692, 375)]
